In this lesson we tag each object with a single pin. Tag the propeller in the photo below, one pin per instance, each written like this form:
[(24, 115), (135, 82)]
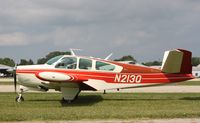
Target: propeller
[(13, 71), (15, 78)]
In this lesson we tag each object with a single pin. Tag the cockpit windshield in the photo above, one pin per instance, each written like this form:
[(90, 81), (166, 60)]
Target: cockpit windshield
[(67, 63), (53, 60)]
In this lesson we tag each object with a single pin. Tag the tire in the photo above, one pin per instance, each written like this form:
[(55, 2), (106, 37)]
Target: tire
[(67, 101), (18, 99)]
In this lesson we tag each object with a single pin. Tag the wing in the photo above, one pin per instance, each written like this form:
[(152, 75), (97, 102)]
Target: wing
[(103, 85), (97, 84)]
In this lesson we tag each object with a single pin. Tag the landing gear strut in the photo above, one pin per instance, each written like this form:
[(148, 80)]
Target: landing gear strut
[(20, 98)]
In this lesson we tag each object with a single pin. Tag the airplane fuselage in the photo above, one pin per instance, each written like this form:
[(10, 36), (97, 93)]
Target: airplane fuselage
[(71, 74), (35, 76)]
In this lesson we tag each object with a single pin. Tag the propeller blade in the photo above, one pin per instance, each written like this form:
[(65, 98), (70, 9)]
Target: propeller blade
[(15, 81), (15, 77)]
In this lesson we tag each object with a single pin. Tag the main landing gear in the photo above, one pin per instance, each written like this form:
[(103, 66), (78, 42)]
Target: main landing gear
[(70, 94)]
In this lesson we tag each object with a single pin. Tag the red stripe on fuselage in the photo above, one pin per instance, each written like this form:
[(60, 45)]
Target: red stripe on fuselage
[(110, 77)]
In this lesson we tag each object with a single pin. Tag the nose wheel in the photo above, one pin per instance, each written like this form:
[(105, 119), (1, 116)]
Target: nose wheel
[(20, 98)]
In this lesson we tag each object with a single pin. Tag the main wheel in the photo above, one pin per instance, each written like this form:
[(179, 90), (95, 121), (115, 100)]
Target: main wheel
[(19, 99), (67, 101)]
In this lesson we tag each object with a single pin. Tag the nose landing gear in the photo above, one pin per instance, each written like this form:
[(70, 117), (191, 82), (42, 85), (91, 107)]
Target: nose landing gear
[(20, 98)]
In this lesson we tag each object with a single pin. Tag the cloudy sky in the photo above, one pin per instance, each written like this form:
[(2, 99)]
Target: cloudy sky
[(142, 28)]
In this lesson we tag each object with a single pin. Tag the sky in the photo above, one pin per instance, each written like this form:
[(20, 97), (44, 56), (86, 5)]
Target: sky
[(141, 28)]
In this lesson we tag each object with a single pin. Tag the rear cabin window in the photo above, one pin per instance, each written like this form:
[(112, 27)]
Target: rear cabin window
[(85, 64), (104, 66), (67, 63)]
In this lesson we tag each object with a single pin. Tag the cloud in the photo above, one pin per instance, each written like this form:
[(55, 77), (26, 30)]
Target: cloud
[(16, 38), (141, 28)]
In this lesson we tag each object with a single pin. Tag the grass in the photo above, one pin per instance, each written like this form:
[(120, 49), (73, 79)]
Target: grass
[(47, 106)]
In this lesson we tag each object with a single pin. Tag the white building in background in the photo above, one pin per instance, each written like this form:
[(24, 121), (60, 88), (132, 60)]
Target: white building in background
[(196, 71)]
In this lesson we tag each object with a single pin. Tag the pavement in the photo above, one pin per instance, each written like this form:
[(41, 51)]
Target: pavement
[(178, 120), (6, 79), (163, 89), (154, 89)]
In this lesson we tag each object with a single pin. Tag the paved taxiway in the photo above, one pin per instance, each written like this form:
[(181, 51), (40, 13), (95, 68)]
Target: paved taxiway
[(154, 89), (178, 120)]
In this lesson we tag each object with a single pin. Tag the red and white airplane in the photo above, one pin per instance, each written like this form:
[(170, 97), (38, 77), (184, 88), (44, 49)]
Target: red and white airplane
[(71, 74)]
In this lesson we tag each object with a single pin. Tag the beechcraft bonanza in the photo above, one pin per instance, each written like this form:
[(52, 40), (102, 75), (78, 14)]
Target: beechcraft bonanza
[(71, 74)]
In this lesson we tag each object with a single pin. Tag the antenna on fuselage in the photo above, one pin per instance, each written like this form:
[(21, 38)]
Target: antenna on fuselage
[(72, 51), (108, 56)]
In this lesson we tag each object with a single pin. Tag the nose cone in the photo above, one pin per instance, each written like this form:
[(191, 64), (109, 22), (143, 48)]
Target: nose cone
[(26, 75)]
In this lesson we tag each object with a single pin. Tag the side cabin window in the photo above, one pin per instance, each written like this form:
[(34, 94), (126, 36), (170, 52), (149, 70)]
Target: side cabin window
[(85, 64), (104, 66), (67, 63)]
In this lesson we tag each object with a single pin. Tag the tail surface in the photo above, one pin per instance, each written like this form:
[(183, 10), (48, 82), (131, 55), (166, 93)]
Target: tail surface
[(177, 61)]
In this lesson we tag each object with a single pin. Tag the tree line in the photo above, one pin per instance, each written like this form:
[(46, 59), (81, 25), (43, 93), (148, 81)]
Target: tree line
[(10, 62)]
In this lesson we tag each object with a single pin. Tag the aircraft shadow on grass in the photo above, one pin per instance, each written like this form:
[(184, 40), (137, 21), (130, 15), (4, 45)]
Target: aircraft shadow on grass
[(136, 99), (152, 99), (86, 100), (190, 98)]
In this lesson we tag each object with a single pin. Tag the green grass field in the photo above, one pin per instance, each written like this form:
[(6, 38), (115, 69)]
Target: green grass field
[(47, 106)]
